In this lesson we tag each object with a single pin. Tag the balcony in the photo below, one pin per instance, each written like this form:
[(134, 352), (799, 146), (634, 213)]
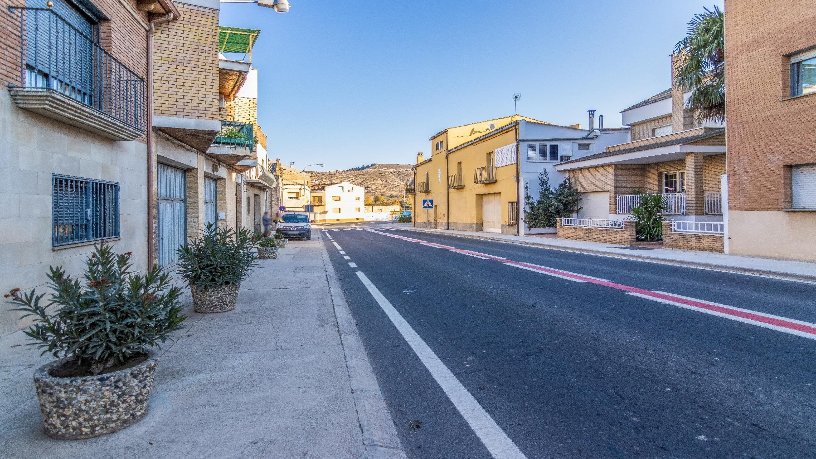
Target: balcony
[(234, 143), (673, 203), (235, 58), (410, 187), (713, 203), (424, 187), (485, 175), (68, 77), (456, 182)]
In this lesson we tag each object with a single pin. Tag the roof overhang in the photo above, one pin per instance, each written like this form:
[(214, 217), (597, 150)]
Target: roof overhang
[(650, 156), (245, 165), (231, 154), (231, 76)]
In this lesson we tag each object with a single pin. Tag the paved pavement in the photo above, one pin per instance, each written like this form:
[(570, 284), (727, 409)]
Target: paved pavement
[(284, 375), (575, 355), (753, 265)]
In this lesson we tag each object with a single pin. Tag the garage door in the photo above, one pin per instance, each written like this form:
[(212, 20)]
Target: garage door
[(491, 213), (172, 213), (594, 205)]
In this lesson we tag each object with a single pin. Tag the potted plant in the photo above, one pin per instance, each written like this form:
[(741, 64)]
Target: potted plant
[(280, 240), (214, 266), (267, 247), (101, 331)]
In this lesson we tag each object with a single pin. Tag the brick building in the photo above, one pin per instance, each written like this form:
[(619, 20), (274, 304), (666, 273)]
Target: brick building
[(73, 134), (770, 60)]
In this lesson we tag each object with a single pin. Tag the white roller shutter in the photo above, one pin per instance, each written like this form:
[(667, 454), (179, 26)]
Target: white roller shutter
[(803, 186)]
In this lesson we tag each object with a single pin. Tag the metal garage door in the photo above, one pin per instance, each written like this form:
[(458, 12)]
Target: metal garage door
[(594, 205), (210, 201), (491, 213), (172, 213)]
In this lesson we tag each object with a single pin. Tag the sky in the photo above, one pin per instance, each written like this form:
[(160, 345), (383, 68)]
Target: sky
[(347, 83)]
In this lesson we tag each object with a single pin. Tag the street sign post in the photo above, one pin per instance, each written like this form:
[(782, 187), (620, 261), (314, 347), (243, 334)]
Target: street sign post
[(427, 204)]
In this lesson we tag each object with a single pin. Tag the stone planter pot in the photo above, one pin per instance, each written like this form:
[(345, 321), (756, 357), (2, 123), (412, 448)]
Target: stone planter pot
[(219, 299), (88, 406), (281, 242), (265, 253)]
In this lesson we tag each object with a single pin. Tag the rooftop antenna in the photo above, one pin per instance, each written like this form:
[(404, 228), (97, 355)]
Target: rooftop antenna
[(516, 98)]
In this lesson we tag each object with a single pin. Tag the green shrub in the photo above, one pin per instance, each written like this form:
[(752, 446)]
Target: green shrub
[(551, 205), (404, 219), (649, 217), (114, 317), (221, 256), (262, 241)]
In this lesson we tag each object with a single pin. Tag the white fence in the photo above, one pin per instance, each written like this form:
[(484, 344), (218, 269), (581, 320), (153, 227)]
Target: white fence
[(673, 203), (592, 223), (698, 227), (713, 203)]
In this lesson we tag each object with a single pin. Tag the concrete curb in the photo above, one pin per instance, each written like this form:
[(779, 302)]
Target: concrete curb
[(380, 437), (640, 257)]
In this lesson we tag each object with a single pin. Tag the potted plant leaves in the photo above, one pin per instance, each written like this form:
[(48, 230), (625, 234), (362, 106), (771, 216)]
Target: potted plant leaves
[(267, 247), (280, 240), (214, 265), (102, 331)]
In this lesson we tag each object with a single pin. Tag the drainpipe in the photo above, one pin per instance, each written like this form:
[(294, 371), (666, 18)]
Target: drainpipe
[(447, 191), (519, 201), (151, 151)]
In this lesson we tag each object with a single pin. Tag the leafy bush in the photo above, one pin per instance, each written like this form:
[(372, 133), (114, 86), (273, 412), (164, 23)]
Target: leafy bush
[(404, 219), (115, 317), (221, 256), (262, 241), (649, 217), (551, 204)]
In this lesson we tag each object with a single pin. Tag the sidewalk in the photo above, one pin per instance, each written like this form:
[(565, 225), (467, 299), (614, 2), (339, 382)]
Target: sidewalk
[(284, 375), (793, 270)]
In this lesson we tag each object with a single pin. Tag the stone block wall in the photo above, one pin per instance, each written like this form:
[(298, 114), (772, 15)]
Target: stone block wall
[(625, 236), (644, 129), (691, 241)]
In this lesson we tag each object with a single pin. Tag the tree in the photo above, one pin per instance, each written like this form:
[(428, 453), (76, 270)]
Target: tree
[(700, 64), (649, 217), (551, 204)]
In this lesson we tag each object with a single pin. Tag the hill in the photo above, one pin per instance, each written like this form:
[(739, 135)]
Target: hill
[(387, 180)]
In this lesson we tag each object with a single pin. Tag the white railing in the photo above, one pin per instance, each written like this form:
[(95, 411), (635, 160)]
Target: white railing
[(713, 203), (592, 223), (673, 203), (698, 227)]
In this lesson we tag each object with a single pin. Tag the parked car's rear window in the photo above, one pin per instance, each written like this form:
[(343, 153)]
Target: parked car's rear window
[(296, 218)]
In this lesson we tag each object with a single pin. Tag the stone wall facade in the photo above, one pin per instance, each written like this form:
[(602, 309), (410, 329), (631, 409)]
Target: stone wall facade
[(691, 241), (625, 236), (645, 129)]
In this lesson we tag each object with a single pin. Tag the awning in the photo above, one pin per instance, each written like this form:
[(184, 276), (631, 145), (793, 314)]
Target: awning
[(235, 40)]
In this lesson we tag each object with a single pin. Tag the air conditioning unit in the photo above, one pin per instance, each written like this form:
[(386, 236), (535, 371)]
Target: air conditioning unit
[(565, 158)]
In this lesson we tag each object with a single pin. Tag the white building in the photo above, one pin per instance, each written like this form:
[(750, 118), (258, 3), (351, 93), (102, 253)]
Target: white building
[(340, 202)]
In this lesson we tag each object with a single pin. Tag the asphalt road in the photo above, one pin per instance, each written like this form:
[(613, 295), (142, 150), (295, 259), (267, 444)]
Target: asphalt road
[(580, 369)]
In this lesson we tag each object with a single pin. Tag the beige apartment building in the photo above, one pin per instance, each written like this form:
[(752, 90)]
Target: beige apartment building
[(770, 55)]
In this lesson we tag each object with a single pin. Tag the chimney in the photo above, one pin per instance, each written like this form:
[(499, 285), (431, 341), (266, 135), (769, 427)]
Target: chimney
[(591, 120), (600, 122), (420, 157)]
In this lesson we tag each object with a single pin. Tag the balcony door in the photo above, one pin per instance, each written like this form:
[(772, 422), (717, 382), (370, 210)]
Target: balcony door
[(172, 215), (674, 182)]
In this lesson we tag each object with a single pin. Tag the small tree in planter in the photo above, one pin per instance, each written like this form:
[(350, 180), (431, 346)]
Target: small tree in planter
[(102, 333), (267, 247), (214, 266), (649, 217), (280, 240)]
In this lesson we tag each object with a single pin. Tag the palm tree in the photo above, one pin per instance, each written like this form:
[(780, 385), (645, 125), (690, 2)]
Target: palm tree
[(700, 64)]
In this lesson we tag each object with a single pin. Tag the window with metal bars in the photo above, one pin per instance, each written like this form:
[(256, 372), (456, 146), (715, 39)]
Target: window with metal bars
[(512, 213), (83, 210)]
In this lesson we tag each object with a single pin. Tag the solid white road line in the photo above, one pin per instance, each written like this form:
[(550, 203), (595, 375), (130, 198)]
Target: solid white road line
[(491, 435)]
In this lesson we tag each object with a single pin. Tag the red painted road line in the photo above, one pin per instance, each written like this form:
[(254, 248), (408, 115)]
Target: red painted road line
[(805, 329)]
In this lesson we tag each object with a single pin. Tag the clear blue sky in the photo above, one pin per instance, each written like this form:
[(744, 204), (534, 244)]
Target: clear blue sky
[(346, 83)]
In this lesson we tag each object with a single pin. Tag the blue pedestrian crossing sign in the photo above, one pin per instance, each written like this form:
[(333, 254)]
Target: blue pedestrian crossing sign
[(427, 203)]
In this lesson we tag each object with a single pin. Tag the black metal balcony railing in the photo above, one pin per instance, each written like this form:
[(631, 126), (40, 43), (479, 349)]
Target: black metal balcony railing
[(235, 134), (57, 56), (456, 182), (424, 187)]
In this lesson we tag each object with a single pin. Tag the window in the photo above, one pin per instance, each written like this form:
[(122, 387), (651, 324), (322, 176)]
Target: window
[(335, 198), (337, 210), (674, 182), (532, 152), (803, 74), (553, 152), (512, 213), (210, 201), (439, 145), (542, 151), (357, 198), (83, 210), (662, 130), (295, 218), (584, 146), (803, 187), (357, 209), (318, 200)]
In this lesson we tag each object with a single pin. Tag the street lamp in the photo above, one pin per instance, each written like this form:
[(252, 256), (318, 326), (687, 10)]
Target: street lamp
[(280, 6)]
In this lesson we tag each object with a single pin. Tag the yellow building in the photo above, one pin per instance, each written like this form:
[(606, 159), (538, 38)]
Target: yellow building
[(475, 178)]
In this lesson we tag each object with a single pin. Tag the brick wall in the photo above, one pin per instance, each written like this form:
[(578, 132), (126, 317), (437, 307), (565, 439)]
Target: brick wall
[(186, 65), (630, 178), (644, 130), (713, 168), (768, 130), (10, 45), (653, 172), (625, 236), (691, 241)]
